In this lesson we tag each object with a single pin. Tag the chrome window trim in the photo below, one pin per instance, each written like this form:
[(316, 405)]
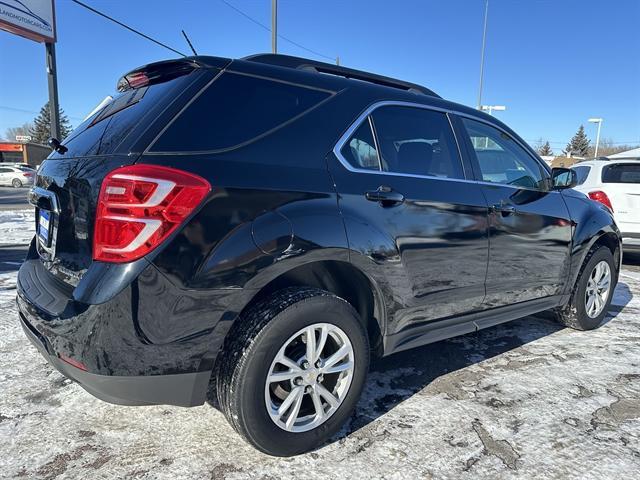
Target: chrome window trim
[(374, 106), (372, 128), (366, 115)]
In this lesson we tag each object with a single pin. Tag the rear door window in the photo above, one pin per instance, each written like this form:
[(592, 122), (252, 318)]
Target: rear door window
[(621, 173), (236, 109), (416, 141)]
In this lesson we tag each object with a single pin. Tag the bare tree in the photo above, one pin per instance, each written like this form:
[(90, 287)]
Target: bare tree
[(11, 132), (608, 147)]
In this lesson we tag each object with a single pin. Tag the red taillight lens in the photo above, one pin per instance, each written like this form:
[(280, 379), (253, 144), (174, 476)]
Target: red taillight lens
[(139, 206), (600, 196), (27, 174)]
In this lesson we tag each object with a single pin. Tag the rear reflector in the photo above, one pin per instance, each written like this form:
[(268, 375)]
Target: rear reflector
[(73, 362), (600, 196), (140, 206)]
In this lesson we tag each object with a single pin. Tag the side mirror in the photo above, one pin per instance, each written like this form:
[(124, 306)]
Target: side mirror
[(562, 178)]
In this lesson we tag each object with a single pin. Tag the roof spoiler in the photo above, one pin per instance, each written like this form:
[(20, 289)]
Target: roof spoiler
[(322, 67), (166, 70)]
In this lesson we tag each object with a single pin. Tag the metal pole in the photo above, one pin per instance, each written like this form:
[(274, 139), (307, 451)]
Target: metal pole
[(598, 138), (274, 26), (52, 79), (484, 41)]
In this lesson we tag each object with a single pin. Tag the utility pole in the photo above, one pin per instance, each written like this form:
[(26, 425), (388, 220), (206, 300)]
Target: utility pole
[(274, 26), (52, 80), (484, 41)]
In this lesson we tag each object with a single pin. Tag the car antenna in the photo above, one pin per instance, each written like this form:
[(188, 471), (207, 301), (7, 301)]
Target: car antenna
[(189, 42)]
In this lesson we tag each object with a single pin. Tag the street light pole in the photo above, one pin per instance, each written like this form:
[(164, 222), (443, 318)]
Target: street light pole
[(599, 122), (484, 41), (274, 26), (490, 109)]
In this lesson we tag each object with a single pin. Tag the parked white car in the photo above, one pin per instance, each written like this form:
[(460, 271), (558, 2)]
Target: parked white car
[(616, 184), (16, 176)]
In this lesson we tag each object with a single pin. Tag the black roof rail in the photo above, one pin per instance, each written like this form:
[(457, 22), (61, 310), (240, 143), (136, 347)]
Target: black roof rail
[(322, 67)]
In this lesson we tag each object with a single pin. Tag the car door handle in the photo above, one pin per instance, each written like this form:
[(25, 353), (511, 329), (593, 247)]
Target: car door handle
[(385, 195), (504, 208)]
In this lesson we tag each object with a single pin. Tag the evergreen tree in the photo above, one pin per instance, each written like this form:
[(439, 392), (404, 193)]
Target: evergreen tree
[(545, 149), (579, 144), (41, 130)]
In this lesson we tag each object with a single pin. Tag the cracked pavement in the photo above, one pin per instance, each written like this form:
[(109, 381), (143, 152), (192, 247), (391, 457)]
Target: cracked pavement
[(524, 399)]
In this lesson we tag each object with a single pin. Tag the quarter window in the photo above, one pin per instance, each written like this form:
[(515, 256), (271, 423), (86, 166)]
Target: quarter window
[(236, 109), (501, 159), (360, 150), (582, 173), (416, 141)]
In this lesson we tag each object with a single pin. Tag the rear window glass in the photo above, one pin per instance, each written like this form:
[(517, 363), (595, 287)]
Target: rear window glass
[(234, 110), (582, 173), (105, 130), (621, 173)]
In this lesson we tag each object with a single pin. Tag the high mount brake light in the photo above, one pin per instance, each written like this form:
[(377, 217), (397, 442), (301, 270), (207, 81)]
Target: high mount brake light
[(139, 206), (600, 196), (155, 73)]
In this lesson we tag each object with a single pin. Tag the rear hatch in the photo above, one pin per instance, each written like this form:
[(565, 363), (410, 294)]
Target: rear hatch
[(68, 182), (621, 181)]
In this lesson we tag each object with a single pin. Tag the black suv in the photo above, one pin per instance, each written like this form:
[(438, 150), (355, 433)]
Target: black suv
[(254, 231)]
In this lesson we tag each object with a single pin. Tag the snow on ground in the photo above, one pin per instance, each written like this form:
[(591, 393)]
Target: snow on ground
[(16, 227), (522, 400)]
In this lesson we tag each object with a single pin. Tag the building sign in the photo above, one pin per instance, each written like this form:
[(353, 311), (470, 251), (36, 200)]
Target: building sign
[(11, 147), (23, 138), (33, 19)]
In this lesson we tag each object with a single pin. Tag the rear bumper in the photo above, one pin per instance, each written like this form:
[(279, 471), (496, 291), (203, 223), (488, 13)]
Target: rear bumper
[(149, 344), (185, 390)]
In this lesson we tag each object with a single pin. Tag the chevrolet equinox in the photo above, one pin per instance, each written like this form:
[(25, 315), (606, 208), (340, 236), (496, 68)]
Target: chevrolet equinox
[(254, 231)]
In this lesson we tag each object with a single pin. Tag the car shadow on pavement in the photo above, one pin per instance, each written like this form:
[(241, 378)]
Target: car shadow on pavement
[(398, 377)]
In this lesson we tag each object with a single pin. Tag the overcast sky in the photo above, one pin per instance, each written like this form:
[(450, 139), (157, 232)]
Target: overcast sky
[(553, 63)]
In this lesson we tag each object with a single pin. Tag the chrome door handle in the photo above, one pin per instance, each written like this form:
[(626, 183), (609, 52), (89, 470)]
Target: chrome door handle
[(385, 195)]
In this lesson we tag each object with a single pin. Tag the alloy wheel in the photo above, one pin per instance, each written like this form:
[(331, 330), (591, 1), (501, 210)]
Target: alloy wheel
[(598, 287), (309, 377)]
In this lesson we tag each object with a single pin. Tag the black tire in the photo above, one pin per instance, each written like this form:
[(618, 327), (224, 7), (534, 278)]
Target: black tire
[(574, 314), (254, 342), (16, 183)]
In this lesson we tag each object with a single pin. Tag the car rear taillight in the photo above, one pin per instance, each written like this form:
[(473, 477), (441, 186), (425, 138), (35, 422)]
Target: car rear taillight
[(27, 174), (140, 206), (600, 196)]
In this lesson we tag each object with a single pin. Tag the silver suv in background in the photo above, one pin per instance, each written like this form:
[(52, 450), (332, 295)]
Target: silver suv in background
[(615, 184)]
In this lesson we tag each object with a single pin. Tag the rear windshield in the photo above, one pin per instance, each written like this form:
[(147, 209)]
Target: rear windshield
[(621, 173), (104, 131), (234, 110)]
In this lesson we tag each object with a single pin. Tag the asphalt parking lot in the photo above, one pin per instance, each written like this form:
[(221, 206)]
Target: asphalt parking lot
[(13, 198), (528, 399)]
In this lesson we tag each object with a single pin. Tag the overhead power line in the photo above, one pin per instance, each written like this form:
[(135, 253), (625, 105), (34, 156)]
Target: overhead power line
[(22, 110), (131, 29), (268, 29)]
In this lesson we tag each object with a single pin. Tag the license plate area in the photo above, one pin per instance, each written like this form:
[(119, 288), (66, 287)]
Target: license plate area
[(44, 227), (47, 215)]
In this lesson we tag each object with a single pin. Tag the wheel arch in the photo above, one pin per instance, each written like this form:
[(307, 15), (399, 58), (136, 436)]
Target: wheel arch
[(344, 280)]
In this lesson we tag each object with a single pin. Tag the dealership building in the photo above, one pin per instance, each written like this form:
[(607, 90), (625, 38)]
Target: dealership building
[(31, 154)]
